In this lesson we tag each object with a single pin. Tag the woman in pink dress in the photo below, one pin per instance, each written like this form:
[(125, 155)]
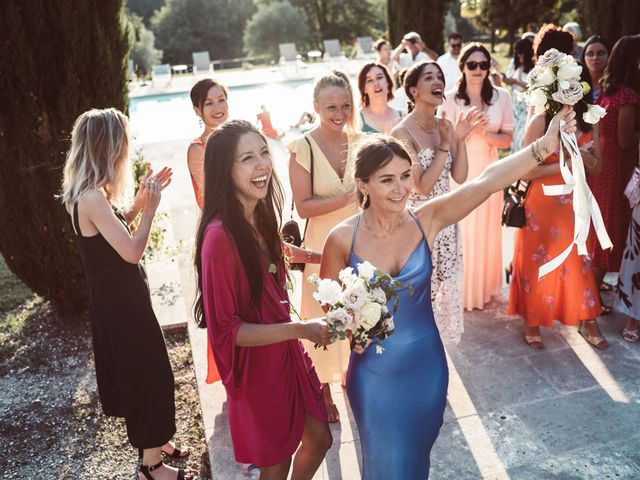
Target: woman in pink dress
[(620, 87), (481, 229), (274, 397)]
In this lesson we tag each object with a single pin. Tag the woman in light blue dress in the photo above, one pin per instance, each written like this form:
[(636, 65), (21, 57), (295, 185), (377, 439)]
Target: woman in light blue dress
[(398, 397)]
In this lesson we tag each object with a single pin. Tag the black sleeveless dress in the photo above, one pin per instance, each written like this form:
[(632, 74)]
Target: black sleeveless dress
[(134, 375)]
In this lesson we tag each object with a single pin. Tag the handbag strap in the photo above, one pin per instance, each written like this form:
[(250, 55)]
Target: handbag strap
[(306, 223)]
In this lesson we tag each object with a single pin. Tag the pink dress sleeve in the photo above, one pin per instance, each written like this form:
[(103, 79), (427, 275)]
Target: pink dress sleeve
[(222, 296), (506, 108)]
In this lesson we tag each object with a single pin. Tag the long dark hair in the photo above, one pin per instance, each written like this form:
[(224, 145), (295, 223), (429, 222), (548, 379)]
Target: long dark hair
[(487, 91), (362, 80), (622, 68), (220, 201), (595, 39), (373, 153), (523, 46), (411, 80)]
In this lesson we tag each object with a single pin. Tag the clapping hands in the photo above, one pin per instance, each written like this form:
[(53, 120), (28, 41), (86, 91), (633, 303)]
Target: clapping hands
[(151, 187), (473, 120)]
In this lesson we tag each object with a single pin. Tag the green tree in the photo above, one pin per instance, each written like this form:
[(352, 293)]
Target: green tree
[(272, 24), (426, 18), (58, 59), (612, 18), (185, 26), (145, 8), (143, 51), (342, 19)]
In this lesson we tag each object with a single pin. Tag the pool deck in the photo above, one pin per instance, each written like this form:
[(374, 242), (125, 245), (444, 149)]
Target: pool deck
[(567, 412), (245, 78)]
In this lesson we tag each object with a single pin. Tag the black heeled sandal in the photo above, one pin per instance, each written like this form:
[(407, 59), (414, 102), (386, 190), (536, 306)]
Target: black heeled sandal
[(146, 471), (177, 453)]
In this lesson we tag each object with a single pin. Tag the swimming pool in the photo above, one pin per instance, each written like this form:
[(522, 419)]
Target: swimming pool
[(168, 117)]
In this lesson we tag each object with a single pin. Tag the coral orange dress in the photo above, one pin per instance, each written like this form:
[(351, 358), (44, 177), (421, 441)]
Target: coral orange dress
[(196, 171), (567, 294)]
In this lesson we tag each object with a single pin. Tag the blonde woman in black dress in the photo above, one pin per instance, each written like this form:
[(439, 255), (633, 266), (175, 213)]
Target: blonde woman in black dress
[(134, 376)]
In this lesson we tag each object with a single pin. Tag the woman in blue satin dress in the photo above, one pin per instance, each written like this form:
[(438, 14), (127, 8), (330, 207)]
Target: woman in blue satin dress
[(398, 397)]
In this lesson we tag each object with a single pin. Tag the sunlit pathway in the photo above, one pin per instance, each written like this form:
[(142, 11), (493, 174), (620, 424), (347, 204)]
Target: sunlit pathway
[(567, 412)]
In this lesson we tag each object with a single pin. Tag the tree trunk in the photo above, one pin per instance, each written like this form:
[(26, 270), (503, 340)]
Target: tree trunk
[(426, 18), (57, 60)]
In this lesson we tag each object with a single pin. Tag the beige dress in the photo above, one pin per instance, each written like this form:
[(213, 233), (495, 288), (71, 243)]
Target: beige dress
[(330, 364)]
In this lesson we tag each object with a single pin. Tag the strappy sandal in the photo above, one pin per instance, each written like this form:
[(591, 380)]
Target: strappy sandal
[(534, 341), (596, 341), (631, 336), (182, 474), (177, 453)]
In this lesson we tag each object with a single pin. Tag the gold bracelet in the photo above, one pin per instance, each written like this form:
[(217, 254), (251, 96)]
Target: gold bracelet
[(442, 150), (536, 153)]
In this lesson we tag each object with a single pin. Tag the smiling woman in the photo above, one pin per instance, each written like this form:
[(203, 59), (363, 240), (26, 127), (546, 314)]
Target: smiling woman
[(274, 397), (325, 199)]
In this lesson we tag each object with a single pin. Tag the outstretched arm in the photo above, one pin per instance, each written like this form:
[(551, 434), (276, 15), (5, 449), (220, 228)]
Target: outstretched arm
[(448, 209)]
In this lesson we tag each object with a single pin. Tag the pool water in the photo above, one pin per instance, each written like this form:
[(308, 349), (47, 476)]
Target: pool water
[(162, 118)]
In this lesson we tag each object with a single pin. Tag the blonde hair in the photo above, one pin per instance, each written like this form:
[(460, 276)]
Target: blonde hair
[(99, 158), (336, 78)]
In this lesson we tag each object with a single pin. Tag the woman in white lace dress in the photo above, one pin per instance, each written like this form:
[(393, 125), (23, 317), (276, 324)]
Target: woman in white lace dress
[(422, 132)]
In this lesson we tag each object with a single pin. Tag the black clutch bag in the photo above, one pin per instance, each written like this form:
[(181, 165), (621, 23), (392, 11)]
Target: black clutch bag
[(513, 212), (291, 230)]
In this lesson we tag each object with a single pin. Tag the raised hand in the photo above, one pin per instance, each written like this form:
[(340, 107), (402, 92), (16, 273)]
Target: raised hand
[(151, 194), (163, 177), (445, 132), (563, 121), (468, 121), (480, 126)]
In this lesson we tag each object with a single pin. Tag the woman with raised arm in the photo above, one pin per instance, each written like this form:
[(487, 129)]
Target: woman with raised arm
[(274, 397), (438, 151), (481, 230), (321, 175), (134, 376), (398, 397)]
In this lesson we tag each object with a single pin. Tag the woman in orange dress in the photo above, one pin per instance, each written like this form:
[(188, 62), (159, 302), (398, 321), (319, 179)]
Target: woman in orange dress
[(569, 293)]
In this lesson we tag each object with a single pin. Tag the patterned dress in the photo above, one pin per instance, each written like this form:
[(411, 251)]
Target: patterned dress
[(628, 288), (446, 257), (617, 168), (567, 294)]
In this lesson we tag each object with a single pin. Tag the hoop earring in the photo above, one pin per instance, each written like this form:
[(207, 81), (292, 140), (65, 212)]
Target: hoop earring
[(365, 199)]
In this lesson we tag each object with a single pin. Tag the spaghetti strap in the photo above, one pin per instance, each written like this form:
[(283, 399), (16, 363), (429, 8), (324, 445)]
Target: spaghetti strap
[(355, 231), (419, 225), (414, 139), (75, 221)]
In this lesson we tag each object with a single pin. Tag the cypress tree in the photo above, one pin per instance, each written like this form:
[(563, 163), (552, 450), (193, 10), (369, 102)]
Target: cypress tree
[(424, 17), (58, 59)]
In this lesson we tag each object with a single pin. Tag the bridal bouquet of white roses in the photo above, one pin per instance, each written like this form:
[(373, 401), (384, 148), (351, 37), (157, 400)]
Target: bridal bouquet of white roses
[(551, 84), (357, 305)]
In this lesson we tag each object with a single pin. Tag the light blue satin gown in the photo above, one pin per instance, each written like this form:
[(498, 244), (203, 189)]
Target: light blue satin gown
[(398, 397)]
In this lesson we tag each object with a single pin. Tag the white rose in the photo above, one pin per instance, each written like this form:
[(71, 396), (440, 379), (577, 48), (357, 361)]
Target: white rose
[(328, 292), (537, 99), (355, 296), (593, 114), (366, 270), (347, 277), (379, 296), (370, 315), (568, 70), (340, 319), (570, 95), (551, 58), (313, 279), (545, 77), (389, 325)]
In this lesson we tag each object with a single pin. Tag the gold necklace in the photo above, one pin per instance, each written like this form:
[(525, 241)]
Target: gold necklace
[(377, 235), (429, 132)]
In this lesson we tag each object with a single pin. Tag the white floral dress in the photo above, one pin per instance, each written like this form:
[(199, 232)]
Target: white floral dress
[(446, 257)]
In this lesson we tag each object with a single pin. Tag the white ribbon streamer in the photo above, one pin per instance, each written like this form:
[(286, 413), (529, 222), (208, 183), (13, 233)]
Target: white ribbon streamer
[(585, 207)]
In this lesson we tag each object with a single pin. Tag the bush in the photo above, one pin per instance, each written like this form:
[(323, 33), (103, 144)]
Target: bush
[(273, 24)]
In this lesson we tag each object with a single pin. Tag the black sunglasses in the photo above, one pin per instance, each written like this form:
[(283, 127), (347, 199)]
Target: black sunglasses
[(484, 65), (455, 45)]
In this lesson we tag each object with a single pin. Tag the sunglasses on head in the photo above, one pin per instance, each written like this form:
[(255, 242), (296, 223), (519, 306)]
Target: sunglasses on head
[(484, 65)]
